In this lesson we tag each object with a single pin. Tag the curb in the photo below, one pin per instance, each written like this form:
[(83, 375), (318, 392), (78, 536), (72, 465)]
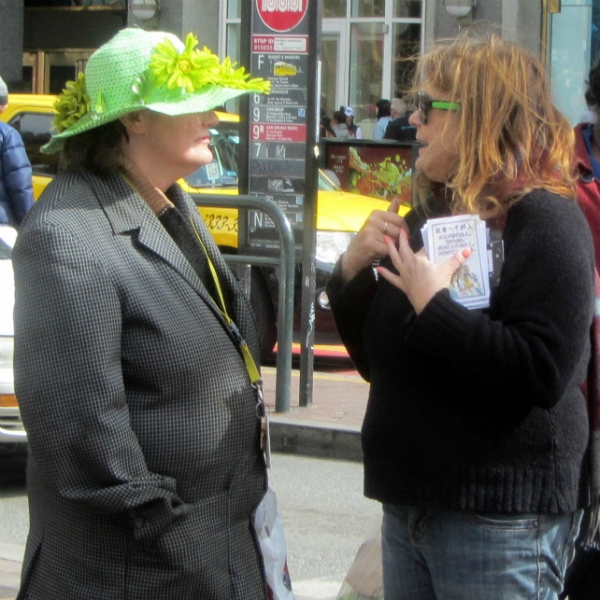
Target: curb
[(293, 436)]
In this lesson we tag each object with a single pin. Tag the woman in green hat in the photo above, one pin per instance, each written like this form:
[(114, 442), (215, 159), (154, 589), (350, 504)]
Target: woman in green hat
[(140, 401)]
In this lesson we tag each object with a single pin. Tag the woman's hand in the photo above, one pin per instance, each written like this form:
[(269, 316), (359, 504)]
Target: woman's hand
[(418, 277), (369, 241)]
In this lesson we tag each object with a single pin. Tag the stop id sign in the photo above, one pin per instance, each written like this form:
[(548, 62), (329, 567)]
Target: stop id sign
[(282, 15)]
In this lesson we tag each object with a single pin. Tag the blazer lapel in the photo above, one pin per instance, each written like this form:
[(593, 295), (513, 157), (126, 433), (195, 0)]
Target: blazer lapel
[(129, 214)]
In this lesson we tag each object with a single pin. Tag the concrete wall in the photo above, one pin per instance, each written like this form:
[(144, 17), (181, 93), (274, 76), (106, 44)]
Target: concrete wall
[(182, 16), (49, 30), (516, 20), (11, 41)]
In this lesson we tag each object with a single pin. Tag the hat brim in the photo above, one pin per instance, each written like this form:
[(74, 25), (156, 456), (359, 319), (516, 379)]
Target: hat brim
[(199, 102)]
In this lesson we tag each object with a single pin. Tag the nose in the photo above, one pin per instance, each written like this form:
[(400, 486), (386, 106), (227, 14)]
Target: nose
[(414, 119), (210, 119)]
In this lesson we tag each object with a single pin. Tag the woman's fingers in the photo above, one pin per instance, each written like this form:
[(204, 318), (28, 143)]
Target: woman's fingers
[(455, 262)]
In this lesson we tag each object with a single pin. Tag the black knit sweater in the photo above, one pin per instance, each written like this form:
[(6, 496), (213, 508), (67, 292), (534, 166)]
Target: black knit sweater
[(480, 409)]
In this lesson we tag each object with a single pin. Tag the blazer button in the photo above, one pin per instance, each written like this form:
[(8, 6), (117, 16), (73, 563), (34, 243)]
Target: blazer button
[(138, 523)]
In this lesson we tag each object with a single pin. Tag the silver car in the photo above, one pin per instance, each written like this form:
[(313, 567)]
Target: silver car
[(12, 433)]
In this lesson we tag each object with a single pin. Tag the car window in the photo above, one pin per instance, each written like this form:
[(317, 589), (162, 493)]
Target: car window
[(35, 131), (223, 170)]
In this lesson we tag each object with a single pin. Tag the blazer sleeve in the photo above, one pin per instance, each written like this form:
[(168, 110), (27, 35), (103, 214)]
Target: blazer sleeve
[(70, 386)]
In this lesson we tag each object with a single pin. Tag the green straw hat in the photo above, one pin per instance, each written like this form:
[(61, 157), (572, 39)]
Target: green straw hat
[(140, 69)]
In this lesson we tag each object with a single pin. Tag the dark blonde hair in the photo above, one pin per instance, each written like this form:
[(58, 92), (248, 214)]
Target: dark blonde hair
[(510, 136)]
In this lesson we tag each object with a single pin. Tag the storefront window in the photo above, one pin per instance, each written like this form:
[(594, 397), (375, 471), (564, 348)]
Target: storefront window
[(368, 8), (406, 46), (407, 9), (573, 39), (234, 9), (366, 68), (334, 8)]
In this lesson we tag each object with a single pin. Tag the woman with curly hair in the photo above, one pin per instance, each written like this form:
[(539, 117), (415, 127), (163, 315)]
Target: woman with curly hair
[(476, 428)]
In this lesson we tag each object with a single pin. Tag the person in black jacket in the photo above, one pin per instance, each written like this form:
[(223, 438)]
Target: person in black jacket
[(399, 128), (476, 428)]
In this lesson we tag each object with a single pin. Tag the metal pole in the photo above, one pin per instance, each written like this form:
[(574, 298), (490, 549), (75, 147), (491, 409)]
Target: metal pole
[(286, 282)]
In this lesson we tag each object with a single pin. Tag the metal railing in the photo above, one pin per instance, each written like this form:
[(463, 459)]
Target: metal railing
[(286, 262)]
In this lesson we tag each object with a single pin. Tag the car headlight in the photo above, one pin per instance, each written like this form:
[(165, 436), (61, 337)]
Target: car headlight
[(7, 346), (332, 244)]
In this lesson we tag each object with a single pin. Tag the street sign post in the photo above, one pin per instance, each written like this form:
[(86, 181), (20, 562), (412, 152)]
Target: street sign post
[(281, 42)]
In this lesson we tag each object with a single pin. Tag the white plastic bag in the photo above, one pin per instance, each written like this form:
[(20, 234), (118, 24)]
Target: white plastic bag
[(364, 580), (269, 529)]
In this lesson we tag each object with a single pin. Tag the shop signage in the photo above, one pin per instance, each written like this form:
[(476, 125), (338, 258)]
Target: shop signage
[(279, 52), (282, 15)]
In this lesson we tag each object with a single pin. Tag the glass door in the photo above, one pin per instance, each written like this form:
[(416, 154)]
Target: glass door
[(334, 66)]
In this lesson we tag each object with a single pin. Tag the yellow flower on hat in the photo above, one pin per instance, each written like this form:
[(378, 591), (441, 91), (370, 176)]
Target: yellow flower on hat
[(234, 78), (190, 69)]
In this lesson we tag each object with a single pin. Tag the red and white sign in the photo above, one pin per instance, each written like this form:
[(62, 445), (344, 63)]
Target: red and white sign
[(263, 132), (282, 15)]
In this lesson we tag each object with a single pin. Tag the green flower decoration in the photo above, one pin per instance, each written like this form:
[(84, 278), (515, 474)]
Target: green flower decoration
[(72, 104), (193, 69), (189, 70), (237, 78)]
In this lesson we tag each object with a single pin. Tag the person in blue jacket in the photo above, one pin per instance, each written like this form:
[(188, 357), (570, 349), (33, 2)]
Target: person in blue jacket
[(16, 188)]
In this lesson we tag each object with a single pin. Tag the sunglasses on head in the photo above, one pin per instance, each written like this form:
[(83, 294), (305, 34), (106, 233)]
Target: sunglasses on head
[(425, 104)]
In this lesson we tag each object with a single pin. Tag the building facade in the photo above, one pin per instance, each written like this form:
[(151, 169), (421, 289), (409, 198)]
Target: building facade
[(367, 46)]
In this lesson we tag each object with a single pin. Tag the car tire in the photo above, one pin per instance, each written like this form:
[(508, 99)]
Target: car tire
[(262, 303)]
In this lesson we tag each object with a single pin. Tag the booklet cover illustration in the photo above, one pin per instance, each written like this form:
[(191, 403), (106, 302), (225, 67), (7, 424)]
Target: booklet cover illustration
[(444, 237)]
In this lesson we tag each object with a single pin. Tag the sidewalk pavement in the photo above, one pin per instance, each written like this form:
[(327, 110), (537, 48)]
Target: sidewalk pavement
[(329, 428)]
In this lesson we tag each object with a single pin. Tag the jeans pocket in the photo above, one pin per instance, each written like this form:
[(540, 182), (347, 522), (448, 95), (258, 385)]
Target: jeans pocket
[(504, 522)]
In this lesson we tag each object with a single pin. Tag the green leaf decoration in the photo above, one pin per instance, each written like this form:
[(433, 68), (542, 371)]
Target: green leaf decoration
[(72, 104), (143, 87), (100, 105)]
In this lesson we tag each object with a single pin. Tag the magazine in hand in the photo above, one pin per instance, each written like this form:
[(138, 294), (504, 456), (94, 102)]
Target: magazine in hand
[(444, 237)]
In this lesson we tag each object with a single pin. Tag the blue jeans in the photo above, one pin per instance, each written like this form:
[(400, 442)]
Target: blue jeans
[(454, 555)]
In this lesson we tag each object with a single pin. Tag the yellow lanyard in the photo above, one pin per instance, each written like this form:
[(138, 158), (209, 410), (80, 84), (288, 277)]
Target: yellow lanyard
[(251, 367), (253, 373)]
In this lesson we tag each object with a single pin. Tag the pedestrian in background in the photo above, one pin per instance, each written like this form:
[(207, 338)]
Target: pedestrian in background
[(476, 428), (399, 128), (384, 116), (354, 131), (338, 125), (138, 392), (325, 129), (16, 187)]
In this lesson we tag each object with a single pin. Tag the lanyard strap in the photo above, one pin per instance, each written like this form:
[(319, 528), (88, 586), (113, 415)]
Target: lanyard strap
[(251, 367)]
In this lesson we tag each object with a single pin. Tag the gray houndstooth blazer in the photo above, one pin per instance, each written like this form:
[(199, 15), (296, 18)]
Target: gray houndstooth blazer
[(144, 466)]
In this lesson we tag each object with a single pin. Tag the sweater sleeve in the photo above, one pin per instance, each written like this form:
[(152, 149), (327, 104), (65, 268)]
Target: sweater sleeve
[(533, 342), (350, 304)]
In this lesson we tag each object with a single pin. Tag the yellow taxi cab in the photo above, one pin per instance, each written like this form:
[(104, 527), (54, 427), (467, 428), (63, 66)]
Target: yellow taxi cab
[(339, 214)]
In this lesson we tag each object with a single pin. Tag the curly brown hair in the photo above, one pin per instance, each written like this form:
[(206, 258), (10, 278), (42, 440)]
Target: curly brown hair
[(511, 138)]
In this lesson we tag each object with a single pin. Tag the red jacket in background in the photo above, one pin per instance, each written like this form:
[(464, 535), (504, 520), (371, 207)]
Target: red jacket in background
[(588, 188)]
